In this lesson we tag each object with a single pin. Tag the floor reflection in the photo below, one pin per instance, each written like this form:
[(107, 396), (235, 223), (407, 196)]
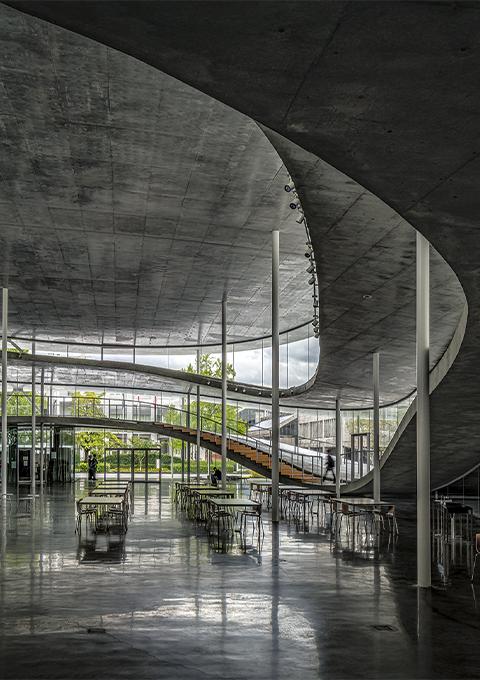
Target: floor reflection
[(108, 548), (304, 603)]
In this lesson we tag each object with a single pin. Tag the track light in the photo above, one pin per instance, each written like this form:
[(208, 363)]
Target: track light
[(295, 203), (315, 302), (311, 269), (317, 334), (311, 280), (289, 187)]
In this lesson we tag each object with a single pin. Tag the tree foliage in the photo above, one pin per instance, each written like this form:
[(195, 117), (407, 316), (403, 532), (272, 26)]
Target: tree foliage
[(90, 404), (212, 367)]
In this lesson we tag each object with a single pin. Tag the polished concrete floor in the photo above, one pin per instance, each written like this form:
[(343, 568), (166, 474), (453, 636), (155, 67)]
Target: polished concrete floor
[(166, 604)]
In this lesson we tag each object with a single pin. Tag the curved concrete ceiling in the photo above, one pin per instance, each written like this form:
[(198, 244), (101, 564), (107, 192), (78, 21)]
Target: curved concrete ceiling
[(386, 92), (130, 202)]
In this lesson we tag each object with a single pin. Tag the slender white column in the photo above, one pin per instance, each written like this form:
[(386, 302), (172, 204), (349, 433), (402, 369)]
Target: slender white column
[(224, 392), (376, 426), (42, 429), (4, 390), (424, 575), (189, 453), (338, 445), (183, 444), (34, 426), (275, 376), (198, 419)]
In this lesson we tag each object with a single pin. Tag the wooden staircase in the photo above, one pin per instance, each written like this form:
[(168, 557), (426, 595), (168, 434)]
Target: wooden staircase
[(243, 453)]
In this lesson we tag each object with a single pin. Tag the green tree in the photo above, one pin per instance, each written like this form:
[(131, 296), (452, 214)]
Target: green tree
[(90, 404), (212, 367), (210, 413), (19, 403)]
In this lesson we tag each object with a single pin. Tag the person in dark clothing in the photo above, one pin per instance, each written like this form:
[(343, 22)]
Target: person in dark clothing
[(330, 468), (92, 467), (216, 476)]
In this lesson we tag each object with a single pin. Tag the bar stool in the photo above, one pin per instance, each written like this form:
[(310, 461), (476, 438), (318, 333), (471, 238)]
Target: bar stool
[(256, 515), (90, 514), (477, 551)]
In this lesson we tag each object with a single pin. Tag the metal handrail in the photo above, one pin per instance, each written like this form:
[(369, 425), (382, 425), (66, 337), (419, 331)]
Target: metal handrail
[(79, 406)]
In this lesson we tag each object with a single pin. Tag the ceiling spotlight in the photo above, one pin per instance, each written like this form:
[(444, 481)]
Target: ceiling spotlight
[(311, 268), (295, 203), (289, 187), (315, 302), (244, 390), (308, 253), (317, 334), (300, 218), (311, 280)]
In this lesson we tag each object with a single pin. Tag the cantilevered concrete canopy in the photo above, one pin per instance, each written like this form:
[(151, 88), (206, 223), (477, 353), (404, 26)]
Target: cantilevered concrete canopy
[(130, 202), (386, 92)]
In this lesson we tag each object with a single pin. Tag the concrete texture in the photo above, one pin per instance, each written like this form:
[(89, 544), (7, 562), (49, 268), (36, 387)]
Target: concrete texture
[(385, 92), (172, 607), (194, 215), (125, 191)]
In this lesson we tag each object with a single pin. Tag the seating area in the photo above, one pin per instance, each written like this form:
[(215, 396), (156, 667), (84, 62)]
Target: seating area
[(106, 508), (221, 513)]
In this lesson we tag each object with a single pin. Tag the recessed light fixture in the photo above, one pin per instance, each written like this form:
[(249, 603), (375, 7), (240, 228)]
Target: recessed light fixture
[(367, 296)]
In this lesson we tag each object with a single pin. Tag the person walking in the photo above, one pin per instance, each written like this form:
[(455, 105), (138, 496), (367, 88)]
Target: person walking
[(330, 468)]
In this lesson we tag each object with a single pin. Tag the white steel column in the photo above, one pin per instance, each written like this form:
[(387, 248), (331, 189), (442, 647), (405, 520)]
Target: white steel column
[(376, 426), (183, 443), (198, 419), (224, 392), (189, 453), (4, 390), (424, 576), (338, 445), (34, 426), (42, 430), (275, 376)]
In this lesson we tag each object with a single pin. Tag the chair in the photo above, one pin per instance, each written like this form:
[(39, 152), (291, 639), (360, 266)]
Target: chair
[(90, 513), (256, 515), (115, 517), (477, 552), (458, 511), (221, 517)]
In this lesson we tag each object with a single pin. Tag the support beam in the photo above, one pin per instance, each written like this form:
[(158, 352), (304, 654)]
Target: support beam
[(42, 429), (338, 447), (275, 376), (224, 392), (34, 425), (424, 568), (376, 426), (188, 443), (183, 446), (198, 419), (4, 390)]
